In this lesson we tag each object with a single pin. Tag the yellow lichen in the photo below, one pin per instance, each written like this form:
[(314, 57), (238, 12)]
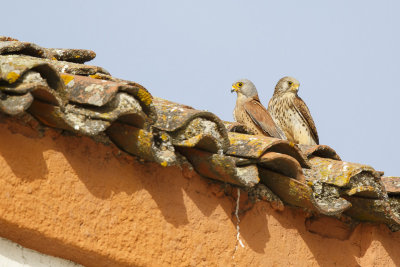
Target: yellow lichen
[(12, 77), (331, 171), (164, 137), (66, 78), (77, 56), (95, 76), (360, 189), (164, 164), (53, 58), (144, 96), (106, 116), (145, 138)]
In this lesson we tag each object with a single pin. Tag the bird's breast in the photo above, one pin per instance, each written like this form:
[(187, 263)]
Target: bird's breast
[(286, 115)]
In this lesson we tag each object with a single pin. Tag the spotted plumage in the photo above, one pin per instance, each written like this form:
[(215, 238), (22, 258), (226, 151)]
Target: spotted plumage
[(291, 114), (250, 112)]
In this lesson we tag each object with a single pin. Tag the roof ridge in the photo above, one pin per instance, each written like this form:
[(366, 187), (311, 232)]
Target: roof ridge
[(87, 100)]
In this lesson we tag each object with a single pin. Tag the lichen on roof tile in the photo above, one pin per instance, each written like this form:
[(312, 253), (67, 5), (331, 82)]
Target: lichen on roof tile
[(14, 105), (39, 77), (13, 67), (150, 146), (353, 182), (221, 167), (107, 100), (338, 173), (236, 127), (72, 55), (322, 151), (190, 127), (88, 91), (28, 82), (283, 164), (291, 191), (12, 46), (60, 66), (31, 83), (327, 199), (374, 210), (392, 184), (254, 146), (18, 74)]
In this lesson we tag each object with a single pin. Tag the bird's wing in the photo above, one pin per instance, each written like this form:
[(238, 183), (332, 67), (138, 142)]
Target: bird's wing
[(261, 117), (305, 113)]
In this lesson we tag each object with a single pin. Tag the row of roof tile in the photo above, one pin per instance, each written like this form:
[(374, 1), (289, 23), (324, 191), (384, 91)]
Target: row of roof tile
[(55, 88)]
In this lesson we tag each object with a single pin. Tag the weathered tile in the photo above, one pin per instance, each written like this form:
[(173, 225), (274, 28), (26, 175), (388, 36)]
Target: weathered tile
[(392, 184), (190, 127), (13, 46), (321, 151), (221, 167), (254, 146)]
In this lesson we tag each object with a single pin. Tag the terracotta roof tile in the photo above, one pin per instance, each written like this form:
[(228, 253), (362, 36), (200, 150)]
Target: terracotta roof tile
[(283, 164), (13, 46), (236, 127), (392, 184), (322, 151), (221, 167), (13, 105), (190, 127), (289, 190), (54, 88), (253, 146), (375, 210), (335, 172), (148, 145)]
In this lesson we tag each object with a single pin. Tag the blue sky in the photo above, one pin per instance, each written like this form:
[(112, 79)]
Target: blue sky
[(346, 55)]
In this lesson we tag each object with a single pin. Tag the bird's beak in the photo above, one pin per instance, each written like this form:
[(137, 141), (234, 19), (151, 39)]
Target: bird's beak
[(234, 88), (295, 87)]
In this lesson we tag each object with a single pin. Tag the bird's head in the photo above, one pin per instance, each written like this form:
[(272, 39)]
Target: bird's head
[(244, 87), (287, 84)]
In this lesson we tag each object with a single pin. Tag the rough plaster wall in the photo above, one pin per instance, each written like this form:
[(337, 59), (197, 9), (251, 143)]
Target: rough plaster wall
[(14, 255), (73, 198)]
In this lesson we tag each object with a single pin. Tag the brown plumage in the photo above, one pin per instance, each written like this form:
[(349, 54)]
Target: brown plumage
[(291, 114), (250, 112)]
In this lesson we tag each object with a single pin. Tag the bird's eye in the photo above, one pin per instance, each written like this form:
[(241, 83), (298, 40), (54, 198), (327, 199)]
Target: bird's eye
[(290, 82), (240, 84)]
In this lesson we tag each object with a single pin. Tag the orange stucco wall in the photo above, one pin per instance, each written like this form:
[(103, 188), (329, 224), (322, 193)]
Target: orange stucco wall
[(74, 198)]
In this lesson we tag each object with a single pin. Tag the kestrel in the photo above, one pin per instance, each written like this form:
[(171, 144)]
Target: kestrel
[(250, 112), (291, 114)]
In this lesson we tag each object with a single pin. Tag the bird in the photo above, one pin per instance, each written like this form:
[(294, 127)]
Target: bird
[(250, 112), (291, 114)]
